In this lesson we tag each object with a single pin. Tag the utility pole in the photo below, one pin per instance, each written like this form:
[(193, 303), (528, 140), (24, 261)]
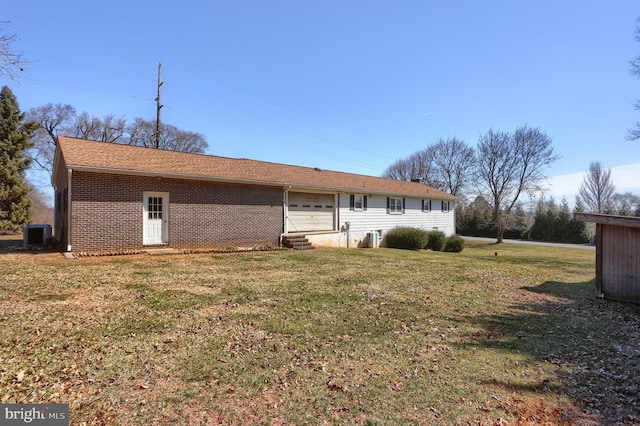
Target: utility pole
[(159, 106)]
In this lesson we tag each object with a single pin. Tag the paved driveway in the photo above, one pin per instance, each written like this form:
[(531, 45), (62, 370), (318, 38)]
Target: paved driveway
[(537, 243)]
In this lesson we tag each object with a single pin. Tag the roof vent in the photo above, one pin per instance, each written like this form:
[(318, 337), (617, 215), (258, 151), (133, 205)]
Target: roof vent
[(317, 169)]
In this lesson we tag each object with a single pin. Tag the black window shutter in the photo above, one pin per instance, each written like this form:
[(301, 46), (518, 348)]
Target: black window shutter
[(364, 203), (351, 202), (388, 205), (403, 206), (422, 205)]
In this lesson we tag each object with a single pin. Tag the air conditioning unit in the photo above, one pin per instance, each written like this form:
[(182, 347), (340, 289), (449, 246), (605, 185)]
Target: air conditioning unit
[(37, 235)]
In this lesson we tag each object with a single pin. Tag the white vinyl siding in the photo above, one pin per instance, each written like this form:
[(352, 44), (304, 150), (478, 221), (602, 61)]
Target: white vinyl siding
[(376, 216), (308, 212)]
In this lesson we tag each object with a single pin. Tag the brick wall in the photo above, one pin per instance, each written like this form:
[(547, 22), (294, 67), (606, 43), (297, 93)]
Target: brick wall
[(107, 212)]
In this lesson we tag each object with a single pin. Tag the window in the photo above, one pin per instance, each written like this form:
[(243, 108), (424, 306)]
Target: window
[(445, 206), (426, 206), (357, 202), (395, 205), (155, 208)]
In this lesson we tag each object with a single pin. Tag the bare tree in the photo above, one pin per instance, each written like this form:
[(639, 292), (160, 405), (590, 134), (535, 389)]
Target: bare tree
[(51, 119), (399, 170), (107, 129), (453, 160), (182, 140), (143, 133), (634, 67), (417, 166), (627, 204), (445, 165), (597, 188), (11, 61), (58, 119), (509, 165), (41, 206)]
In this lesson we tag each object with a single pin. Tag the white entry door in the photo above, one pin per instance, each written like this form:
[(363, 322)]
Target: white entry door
[(156, 218)]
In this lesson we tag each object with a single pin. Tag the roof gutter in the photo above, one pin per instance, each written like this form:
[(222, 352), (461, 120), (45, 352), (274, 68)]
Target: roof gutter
[(251, 181)]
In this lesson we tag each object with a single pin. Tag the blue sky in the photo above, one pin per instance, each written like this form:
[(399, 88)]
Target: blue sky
[(347, 85)]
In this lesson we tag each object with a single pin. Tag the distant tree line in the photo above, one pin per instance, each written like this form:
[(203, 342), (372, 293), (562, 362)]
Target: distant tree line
[(548, 222), (504, 167), (557, 224), (626, 204), (476, 219)]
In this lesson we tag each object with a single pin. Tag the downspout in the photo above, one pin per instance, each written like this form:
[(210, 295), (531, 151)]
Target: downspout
[(69, 173), (454, 219), (55, 211), (285, 213)]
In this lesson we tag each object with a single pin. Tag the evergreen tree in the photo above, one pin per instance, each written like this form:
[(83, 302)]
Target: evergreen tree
[(579, 232), (584, 231), (558, 225), (15, 205), (563, 222), (541, 229), (552, 220), (517, 227)]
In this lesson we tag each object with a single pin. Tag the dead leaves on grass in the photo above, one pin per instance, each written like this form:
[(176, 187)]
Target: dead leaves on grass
[(382, 347)]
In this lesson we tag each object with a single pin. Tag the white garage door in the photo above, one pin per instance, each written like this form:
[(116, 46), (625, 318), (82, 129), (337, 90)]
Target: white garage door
[(311, 212)]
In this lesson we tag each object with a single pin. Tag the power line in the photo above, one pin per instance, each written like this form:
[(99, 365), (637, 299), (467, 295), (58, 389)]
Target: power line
[(82, 89), (229, 90), (280, 140), (275, 107)]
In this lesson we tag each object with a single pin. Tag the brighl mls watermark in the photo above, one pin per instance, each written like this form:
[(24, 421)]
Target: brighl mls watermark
[(34, 414)]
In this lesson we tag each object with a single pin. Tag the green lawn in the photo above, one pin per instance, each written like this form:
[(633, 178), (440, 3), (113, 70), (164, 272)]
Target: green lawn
[(339, 336)]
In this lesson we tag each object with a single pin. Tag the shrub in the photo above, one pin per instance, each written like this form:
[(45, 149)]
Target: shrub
[(406, 238), (435, 240), (454, 244)]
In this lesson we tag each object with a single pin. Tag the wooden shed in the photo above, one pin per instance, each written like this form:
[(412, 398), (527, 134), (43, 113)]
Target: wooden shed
[(617, 255)]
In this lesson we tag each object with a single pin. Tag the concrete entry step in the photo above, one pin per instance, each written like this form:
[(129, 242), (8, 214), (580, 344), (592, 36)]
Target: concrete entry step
[(162, 251), (296, 242)]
